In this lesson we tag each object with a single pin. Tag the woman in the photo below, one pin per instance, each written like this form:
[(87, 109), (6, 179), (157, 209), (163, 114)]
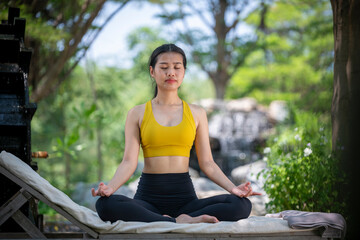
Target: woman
[(166, 127)]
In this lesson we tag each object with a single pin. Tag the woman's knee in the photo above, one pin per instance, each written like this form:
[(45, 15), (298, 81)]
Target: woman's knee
[(105, 206), (242, 207)]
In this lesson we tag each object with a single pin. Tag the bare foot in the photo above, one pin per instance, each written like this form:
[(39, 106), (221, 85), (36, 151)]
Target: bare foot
[(184, 218)]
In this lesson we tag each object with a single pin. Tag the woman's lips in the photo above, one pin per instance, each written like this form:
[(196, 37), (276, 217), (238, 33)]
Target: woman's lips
[(170, 81)]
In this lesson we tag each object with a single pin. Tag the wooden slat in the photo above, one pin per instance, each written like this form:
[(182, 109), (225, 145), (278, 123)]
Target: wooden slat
[(172, 236), (55, 235), (27, 225), (41, 197), (13, 205)]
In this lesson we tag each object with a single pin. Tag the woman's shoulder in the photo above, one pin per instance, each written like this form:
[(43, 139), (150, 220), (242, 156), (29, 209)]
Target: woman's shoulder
[(137, 110), (136, 113), (198, 112)]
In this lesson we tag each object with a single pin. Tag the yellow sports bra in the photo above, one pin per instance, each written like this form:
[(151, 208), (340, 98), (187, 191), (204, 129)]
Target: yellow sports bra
[(158, 140)]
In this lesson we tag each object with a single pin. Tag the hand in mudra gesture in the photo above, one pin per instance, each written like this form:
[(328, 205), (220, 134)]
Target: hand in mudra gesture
[(103, 190), (244, 190)]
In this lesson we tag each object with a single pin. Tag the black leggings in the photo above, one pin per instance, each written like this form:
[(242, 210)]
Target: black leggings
[(170, 194)]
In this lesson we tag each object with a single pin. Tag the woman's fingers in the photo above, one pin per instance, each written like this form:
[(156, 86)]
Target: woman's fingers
[(93, 192), (255, 193), (245, 190), (238, 192), (100, 191), (107, 192)]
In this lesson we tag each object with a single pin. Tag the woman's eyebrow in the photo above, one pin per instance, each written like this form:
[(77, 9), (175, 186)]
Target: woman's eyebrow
[(168, 63)]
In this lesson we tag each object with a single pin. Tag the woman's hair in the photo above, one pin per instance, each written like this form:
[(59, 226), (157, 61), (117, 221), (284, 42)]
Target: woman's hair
[(164, 49)]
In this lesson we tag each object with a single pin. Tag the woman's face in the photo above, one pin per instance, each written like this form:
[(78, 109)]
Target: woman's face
[(169, 71)]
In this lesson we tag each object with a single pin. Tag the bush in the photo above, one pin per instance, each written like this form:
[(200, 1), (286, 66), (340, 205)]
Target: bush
[(302, 173)]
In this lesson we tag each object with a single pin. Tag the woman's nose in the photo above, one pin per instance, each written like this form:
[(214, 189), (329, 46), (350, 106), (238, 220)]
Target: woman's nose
[(171, 72)]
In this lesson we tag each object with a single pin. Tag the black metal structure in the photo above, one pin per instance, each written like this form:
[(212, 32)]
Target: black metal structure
[(16, 111)]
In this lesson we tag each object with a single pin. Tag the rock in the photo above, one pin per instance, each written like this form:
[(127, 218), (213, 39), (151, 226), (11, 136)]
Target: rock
[(278, 111), (133, 186), (206, 194), (211, 104), (247, 172), (193, 173), (258, 205), (242, 105), (202, 184), (82, 195), (126, 191), (236, 105)]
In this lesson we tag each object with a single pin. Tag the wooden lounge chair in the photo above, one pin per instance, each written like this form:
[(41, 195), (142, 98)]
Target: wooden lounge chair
[(93, 228)]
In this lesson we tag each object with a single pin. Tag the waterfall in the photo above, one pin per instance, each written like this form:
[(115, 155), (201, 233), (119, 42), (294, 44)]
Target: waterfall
[(236, 130)]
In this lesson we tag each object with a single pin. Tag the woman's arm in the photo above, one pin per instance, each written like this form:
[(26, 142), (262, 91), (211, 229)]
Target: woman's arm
[(203, 152), (128, 165), (207, 163)]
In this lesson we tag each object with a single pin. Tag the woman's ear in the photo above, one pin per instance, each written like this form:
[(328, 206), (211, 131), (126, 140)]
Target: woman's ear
[(151, 71)]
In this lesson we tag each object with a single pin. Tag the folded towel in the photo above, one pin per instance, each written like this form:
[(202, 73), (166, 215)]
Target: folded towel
[(333, 224)]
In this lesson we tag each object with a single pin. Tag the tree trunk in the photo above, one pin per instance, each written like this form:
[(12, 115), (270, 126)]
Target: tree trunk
[(223, 31), (220, 88), (220, 78), (220, 81), (346, 103)]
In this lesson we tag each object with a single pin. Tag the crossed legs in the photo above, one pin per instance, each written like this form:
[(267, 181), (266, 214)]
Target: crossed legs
[(224, 207)]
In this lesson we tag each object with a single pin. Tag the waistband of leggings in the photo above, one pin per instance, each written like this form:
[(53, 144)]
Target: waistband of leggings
[(169, 178)]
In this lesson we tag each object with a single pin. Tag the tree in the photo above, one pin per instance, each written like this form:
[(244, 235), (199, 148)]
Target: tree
[(223, 50), (59, 34), (295, 59), (345, 104)]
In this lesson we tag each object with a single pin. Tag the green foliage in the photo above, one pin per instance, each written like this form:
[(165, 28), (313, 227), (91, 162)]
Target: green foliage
[(295, 65), (45, 209), (302, 172), (67, 124), (295, 60), (38, 27)]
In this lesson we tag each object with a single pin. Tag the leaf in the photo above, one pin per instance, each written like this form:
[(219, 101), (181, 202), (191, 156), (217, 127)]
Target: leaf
[(90, 111)]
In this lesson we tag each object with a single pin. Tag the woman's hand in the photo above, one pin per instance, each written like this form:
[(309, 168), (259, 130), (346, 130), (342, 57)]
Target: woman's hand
[(103, 190), (244, 190)]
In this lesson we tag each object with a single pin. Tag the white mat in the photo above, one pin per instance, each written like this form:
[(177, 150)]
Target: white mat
[(252, 225)]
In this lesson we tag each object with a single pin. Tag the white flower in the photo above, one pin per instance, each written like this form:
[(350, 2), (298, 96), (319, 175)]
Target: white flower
[(80, 147), (265, 159), (297, 137), (307, 152), (309, 144), (267, 150)]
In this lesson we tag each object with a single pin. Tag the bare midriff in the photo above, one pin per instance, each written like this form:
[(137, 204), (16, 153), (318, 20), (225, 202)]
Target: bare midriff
[(166, 164)]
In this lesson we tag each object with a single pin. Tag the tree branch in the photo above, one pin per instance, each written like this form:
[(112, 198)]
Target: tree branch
[(45, 84), (86, 48), (201, 15)]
